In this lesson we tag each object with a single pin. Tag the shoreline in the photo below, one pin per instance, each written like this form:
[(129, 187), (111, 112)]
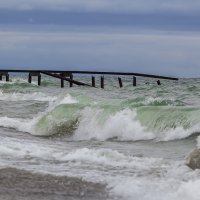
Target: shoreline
[(21, 184)]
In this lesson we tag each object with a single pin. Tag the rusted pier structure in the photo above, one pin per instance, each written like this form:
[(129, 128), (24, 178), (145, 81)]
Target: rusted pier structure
[(68, 76)]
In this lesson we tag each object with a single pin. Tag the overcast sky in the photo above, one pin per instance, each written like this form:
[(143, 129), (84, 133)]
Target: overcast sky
[(148, 36)]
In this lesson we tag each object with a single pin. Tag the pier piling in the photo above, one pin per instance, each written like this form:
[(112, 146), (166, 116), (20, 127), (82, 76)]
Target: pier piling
[(134, 81), (102, 82), (93, 81), (29, 78), (34, 74), (71, 77), (62, 82), (39, 79), (4, 74), (7, 77), (120, 82)]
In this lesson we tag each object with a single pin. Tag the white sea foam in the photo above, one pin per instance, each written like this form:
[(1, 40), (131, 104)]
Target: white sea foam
[(108, 157), (165, 188), (36, 96), (152, 100), (24, 125), (18, 81), (122, 125), (178, 133), (103, 157), (140, 178), (67, 100), (28, 125)]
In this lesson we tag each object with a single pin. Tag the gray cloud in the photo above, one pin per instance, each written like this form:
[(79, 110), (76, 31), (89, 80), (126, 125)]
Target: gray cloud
[(155, 52), (113, 6)]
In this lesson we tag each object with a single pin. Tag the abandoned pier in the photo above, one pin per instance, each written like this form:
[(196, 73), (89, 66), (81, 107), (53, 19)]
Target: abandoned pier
[(69, 76)]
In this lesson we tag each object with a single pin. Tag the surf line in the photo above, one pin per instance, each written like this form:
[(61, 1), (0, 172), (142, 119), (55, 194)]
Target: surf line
[(69, 76)]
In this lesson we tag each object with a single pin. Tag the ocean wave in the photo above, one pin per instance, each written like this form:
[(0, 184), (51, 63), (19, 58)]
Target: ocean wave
[(17, 96), (103, 156), (125, 125), (172, 186), (85, 121), (140, 177), (34, 126), (22, 82), (152, 101), (17, 83)]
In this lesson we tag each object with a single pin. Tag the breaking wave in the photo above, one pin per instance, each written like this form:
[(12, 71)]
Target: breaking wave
[(83, 120)]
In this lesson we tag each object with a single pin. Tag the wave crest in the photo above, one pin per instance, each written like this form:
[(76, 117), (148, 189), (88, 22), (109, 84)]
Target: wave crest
[(85, 121)]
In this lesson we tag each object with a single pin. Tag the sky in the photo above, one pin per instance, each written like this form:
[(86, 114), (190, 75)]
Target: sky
[(144, 36)]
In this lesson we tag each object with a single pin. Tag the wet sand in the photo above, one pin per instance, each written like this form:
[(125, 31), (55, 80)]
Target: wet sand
[(18, 184)]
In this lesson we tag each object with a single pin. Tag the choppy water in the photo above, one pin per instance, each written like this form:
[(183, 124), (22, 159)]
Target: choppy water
[(134, 139)]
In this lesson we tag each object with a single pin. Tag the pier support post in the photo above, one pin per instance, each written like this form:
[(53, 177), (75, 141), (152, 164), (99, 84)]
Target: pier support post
[(134, 81), (4, 74), (62, 83), (71, 77), (65, 75), (120, 82), (102, 82), (39, 79), (7, 77), (158, 82), (93, 81), (34, 74), (29, 78)]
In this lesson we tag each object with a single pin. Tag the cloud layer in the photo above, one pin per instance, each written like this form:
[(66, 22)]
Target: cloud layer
[(111, 6), (141, 52), (148, 36)]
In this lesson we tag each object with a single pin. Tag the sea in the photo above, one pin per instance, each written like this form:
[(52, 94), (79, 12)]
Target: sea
[(132, 141)]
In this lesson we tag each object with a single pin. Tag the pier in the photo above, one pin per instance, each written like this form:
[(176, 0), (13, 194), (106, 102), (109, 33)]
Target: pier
[(69, 76)]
